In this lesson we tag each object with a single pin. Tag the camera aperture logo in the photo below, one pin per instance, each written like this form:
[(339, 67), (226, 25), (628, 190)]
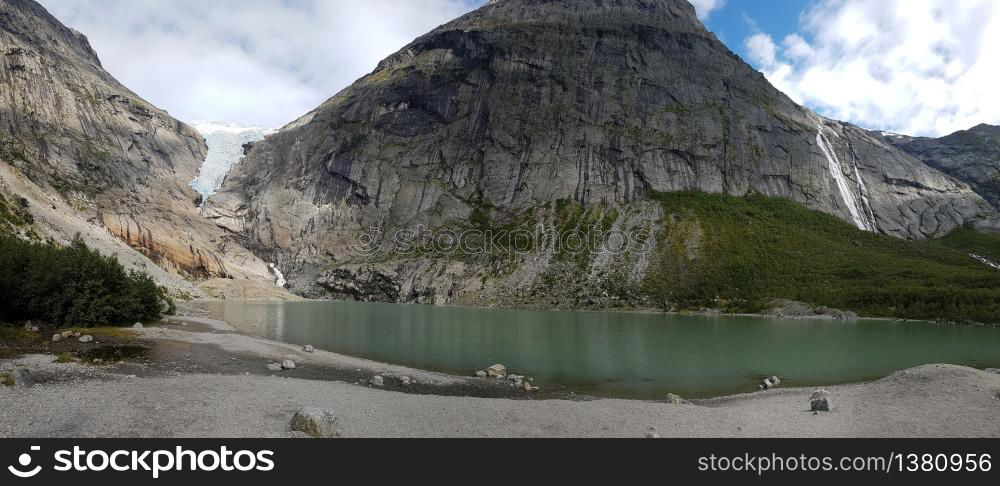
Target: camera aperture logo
[(156, 462)]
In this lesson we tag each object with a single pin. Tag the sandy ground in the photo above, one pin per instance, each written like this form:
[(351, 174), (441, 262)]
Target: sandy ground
[(234, 396), (931, 401)]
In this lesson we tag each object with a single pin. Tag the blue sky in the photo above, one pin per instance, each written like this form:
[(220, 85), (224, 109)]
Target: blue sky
[(920, 67), (738, 19)]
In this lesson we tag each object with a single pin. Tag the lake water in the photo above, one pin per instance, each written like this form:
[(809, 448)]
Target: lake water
[(617, 354)]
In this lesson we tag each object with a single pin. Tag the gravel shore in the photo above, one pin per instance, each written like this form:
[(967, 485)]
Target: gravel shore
[(216, 398)]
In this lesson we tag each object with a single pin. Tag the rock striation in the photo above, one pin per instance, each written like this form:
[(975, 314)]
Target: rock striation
[(971, 156)]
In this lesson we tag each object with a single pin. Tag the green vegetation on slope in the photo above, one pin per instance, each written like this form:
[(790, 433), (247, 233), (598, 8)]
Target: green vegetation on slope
[(73, 286), (741, 253)]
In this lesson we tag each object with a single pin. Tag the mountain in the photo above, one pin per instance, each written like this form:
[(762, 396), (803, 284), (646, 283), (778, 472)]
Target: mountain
[(83, 154), (553, 115), (971, 156)]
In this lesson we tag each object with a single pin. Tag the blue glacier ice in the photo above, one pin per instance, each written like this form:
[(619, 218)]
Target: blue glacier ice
[(225, 148)]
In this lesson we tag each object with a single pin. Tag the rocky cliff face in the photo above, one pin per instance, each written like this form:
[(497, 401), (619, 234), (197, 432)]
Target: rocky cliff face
[(524, 108), (87, 155), (971, 156)]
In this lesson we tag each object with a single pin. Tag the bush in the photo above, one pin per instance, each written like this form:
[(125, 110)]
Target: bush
[(73, 286), (753, 250)]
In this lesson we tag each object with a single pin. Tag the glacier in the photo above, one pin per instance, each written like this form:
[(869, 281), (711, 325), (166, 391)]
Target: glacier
[(225, 148)]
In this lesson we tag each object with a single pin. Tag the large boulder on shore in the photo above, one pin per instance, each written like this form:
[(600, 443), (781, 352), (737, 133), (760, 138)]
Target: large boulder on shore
[(820, 405), (315, 422), (497, 371)]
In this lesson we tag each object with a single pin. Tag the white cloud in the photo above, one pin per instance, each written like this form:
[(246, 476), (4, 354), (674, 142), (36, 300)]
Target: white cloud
[(706, 7), (922, 67), (260, 62), (762, 50)]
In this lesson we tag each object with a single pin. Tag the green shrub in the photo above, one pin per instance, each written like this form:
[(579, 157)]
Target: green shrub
[(755, 249), (73, 286)]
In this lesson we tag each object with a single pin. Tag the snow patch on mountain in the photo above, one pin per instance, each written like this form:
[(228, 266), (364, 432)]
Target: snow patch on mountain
[(985, 261)]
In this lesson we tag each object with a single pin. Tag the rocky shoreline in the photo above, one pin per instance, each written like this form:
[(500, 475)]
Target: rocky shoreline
[(219, 382)]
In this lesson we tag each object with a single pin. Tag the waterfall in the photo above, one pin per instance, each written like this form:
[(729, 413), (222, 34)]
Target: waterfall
[(279, 277), (859, 215)]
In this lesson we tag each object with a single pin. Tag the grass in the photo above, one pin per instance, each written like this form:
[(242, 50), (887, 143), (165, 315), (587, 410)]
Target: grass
[(16, 335), (741, 253), (6, 379), (65, 358)]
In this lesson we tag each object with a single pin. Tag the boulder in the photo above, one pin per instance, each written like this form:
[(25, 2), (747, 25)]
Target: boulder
[(820, 405), (76, 334), (496, 371), (377, 381), (56, 338), (274, 367), (481, 374), (819, 393), (528, 387), (404, 380), (87, 339), (309, 348), (676, 399), (315, 422), (137, 325), (652, 433), (775, 380), (288, 364)]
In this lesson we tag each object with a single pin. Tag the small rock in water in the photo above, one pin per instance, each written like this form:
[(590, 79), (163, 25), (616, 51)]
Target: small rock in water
[(377, 381), (87, 339), (76, 334), (481, 374), (528, 387), (775, 380), (34, 328), (274, 367), (652, 433), (674, 399), (56, 338), (820, 405), (496, 371), (288, 364), (309, 348), (404, 380), (137, 325), (315, 422)]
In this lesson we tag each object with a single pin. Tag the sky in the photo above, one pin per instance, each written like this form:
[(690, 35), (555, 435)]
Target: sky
[(919, 67)]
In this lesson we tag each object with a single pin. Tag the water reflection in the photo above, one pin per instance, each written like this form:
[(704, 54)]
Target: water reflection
[(634, 355)]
